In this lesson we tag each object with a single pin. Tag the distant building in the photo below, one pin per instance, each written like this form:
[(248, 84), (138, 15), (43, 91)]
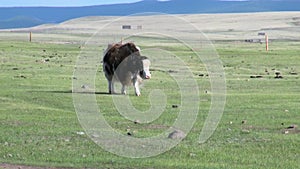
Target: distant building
[(254, 40), (261, 33), (132, 27), (126, 27)]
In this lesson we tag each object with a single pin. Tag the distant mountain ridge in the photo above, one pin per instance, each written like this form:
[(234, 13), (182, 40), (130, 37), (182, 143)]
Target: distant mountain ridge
[(19, 17)]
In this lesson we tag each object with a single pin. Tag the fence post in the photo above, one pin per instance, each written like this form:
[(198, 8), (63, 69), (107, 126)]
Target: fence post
[(267, 42), (30, 36)]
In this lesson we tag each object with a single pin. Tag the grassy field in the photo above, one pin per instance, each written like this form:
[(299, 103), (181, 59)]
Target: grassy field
[(39, 125)]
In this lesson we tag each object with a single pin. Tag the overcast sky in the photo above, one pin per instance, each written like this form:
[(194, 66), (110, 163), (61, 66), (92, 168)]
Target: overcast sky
[(14, 3)]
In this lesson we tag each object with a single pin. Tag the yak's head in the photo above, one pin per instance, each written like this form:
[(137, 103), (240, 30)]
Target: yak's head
[(145, 71), (132, 62), (139, 64)]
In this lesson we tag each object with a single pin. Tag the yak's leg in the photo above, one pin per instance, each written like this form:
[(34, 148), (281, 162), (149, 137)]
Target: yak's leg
[(123, 89), (109, 78), (111, 88), (136, 87)]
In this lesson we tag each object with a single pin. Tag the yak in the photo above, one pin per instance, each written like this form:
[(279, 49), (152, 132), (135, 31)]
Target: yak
[(125, 64)]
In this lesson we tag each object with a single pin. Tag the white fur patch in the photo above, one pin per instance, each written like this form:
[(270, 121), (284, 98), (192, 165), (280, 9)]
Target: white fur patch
[(146, 65)]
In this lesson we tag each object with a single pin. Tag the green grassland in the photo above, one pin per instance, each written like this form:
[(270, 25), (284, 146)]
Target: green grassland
[(39, 125)]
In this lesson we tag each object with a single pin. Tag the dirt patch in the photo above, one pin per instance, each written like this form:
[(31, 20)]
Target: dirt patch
[(296, 23), (14, 166), (253, 128), (289, 131), (158, 127), (292, 129)]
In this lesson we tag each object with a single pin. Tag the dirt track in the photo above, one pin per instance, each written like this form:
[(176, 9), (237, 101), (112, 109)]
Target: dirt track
[(13, 166)]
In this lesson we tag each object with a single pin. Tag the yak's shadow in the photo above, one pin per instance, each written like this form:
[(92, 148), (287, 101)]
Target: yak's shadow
[(71, 92)]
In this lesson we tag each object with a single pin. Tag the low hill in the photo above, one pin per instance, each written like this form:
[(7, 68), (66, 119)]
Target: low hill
[(59, 14), (20, 22)]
